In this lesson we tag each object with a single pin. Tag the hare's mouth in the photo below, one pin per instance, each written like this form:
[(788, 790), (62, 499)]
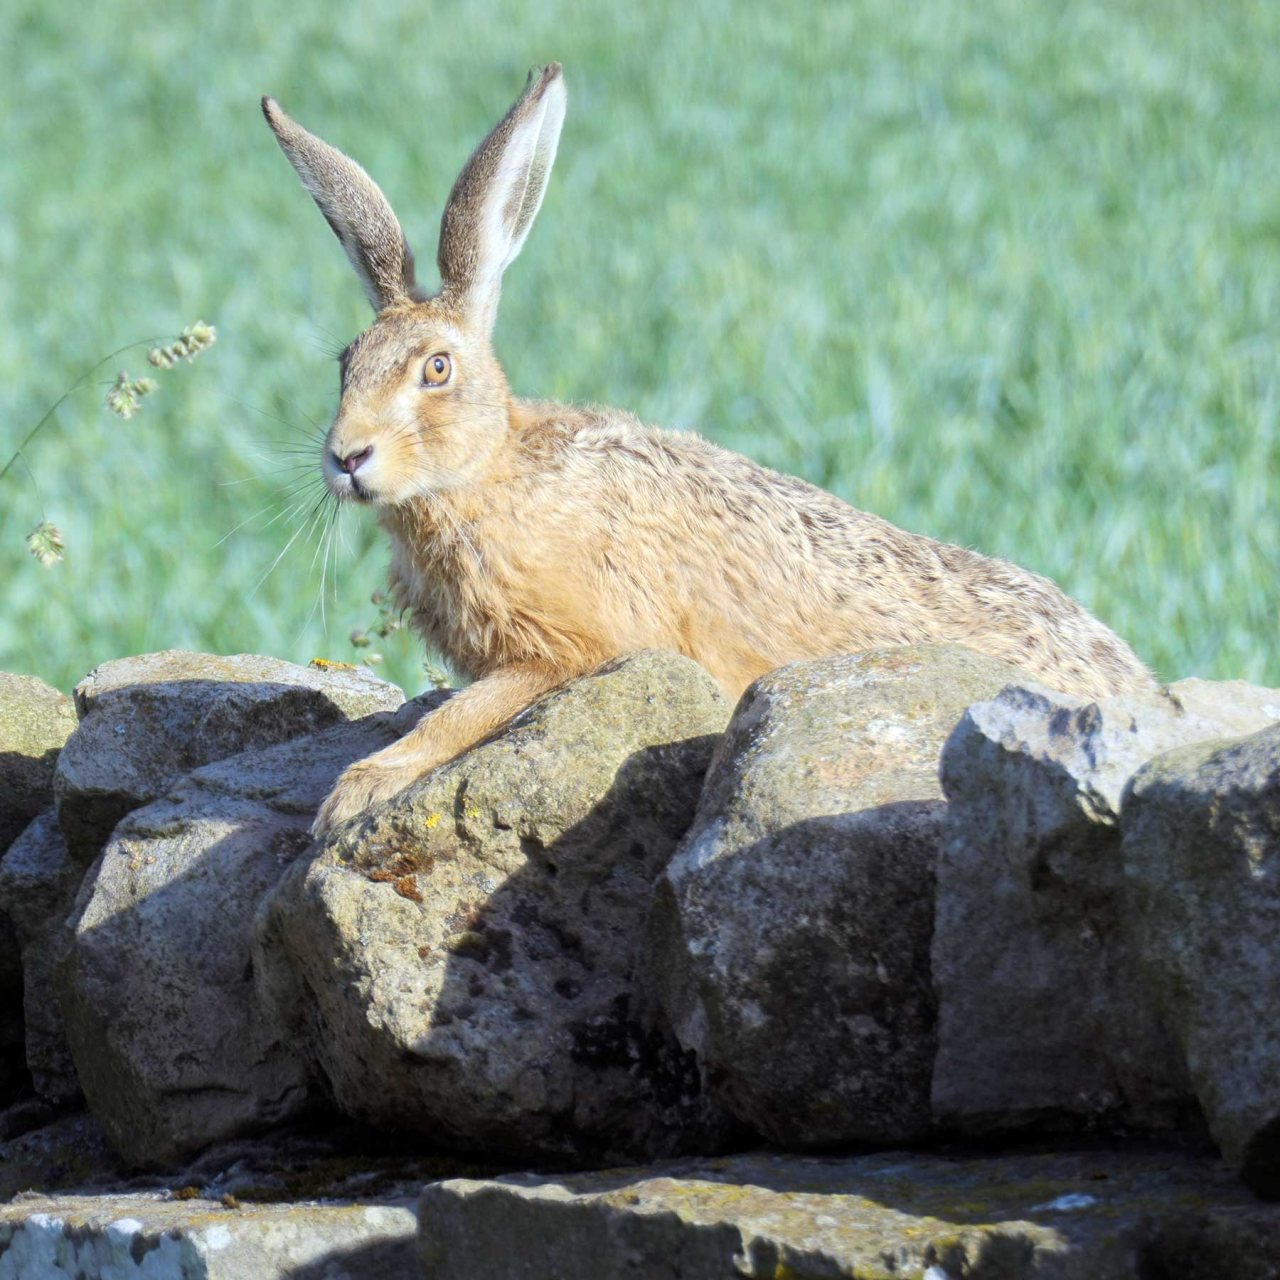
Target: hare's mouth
[(348, 475), (348, 488)]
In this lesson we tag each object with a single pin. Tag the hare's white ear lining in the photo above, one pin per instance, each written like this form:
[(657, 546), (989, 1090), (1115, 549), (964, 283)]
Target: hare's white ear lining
[(353, 205), (523, 173), (498, 195)]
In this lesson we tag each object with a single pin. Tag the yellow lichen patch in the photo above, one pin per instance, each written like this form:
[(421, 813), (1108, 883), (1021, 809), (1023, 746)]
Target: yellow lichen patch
[(323, 664), (469, 942), (431, 821)]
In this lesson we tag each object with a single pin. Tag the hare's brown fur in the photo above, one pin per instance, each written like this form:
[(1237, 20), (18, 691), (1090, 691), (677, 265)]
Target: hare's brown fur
[(532, 540)]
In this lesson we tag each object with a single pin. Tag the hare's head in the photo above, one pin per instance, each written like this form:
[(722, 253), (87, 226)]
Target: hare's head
[(425, 405)]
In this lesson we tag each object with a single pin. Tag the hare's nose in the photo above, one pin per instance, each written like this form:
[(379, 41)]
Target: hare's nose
[(354, 461)]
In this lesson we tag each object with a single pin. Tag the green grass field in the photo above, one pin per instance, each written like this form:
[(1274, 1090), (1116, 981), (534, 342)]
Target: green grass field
[(1006, 274)]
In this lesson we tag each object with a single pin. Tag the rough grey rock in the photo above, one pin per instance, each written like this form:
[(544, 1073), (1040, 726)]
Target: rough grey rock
[(146, 721), (461, 960), (1087, 1216), (1043, 1017), (1202, 864), (35, 720), (172, 1049), (790, 936), (120, 1237), (70, 1152), (38, 886)]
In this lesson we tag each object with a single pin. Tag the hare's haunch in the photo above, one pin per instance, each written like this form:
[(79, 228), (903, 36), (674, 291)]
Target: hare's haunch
[(532, 541)]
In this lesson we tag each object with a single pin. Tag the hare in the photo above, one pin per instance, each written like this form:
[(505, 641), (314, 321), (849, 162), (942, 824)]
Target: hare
[(533, 541)]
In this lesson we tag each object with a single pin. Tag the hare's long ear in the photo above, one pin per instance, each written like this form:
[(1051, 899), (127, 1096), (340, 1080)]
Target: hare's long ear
[(497, 195), (355, 208)]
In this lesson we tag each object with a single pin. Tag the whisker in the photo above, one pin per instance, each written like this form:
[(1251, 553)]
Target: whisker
[(249, 519), (320, 428), (322, 544), (305, 524), (327, 339), (262, 476), (335, 533), (276, 448), (317, 521), (287, 446), (289, 511), (275, 417), (271, 569)]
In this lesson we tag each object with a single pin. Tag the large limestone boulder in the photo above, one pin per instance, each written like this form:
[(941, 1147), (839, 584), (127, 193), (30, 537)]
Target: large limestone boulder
[(35, 720), (172, 1048), (38, 885), (1043, 1015), (1202, 864), (900, 1216), (790, 939), (146, 721), (463, 960)]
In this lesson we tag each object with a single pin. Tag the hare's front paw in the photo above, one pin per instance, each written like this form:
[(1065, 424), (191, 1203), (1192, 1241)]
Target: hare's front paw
[(360, 786)]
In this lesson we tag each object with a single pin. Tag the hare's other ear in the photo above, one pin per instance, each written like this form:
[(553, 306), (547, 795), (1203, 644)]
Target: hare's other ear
[(357, 211), (497, 195)]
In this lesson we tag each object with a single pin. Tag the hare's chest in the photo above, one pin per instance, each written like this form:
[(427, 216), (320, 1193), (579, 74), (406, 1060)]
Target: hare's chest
[(468, 597), (450, 604)]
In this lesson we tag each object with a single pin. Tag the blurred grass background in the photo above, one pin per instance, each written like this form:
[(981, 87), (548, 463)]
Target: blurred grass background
[(1006, 274)]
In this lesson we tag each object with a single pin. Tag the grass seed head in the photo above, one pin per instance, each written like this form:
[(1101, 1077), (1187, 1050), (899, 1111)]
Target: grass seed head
[(126, 394), (194, 339), (121, 399), (45, 543)]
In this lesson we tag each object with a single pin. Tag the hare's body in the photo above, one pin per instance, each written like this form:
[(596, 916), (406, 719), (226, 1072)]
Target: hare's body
[(598, 536), (533, 541)]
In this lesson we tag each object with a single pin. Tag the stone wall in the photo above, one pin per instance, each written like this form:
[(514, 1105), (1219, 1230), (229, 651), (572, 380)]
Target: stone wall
[(900, 898)]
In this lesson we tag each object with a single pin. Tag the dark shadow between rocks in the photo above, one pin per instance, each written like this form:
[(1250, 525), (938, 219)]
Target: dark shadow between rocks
[(30, 776), (377, 1260), (1260, 1167)]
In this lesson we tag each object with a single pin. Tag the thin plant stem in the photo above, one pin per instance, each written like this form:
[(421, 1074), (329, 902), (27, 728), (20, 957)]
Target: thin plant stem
[(35, 484), (57, 404)]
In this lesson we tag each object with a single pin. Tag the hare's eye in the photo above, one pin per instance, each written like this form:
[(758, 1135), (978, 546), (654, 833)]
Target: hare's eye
[(437, 370)]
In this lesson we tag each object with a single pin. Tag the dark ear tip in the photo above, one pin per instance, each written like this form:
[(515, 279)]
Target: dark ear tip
[(551, 72), (271, 110)]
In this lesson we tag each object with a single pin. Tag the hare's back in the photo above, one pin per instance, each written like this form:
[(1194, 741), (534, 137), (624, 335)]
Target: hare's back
[(745, 568)]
